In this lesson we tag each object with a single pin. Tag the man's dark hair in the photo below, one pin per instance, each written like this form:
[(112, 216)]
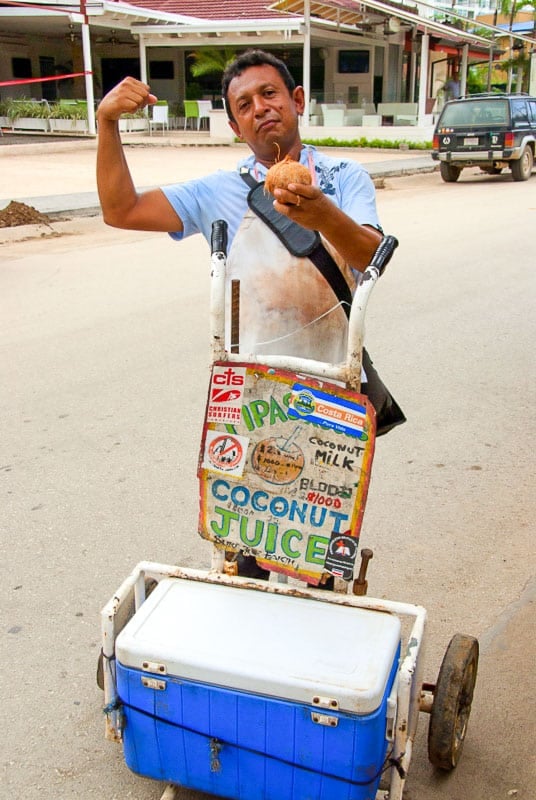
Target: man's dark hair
[(253, 58)]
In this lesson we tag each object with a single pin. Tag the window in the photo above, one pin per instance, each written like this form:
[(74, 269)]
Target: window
[(161, 70), (353, 61), (21, 67), (519, 112)]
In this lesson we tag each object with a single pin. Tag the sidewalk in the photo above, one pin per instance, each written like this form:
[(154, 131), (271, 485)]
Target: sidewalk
[(58, 176)]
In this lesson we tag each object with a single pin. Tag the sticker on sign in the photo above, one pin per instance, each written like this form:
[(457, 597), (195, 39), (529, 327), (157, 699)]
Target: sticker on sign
[(226, 394), (225, 453), (328, 411)]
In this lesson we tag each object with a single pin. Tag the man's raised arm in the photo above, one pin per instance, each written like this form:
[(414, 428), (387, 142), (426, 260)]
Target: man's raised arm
[(122, 206)]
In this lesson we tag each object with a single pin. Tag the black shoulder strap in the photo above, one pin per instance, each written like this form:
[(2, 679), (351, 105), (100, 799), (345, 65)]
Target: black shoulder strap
[(300, 242), (324, 261)]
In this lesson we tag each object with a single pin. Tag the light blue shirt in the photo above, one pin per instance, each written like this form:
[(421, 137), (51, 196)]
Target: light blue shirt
[(223, 195)]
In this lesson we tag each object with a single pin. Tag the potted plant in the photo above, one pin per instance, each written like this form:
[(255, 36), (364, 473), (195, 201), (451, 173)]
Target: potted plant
[(128, 123), (4, 119), (28, 115), (176, 114), (69, 117)]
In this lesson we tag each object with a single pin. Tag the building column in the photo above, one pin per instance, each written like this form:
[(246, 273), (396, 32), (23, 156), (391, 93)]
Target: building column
[(532, 74), (143, 60), (423, 79), (306, 61), (413, 66), (463, 71), (90, 96)]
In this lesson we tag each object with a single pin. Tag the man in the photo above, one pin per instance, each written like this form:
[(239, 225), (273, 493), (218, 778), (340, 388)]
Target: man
[(452, 86), (289, 307), (263, 106), (286, 304)]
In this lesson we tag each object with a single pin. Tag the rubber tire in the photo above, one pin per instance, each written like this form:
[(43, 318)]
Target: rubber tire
[(522, 168), (449, 172), (453, 697)]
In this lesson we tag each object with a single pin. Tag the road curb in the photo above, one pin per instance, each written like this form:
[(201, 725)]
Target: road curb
[(87, 203)]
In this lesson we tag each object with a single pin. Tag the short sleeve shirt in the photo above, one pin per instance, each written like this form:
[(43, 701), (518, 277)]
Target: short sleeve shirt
[(223, 194)]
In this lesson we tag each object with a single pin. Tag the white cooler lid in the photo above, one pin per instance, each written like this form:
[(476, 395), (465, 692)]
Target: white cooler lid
[(276, 645)]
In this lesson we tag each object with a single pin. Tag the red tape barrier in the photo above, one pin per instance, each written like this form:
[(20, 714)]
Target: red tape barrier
[(42, 80)]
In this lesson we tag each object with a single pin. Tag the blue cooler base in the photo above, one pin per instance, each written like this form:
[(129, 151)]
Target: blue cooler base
[(249, 747)]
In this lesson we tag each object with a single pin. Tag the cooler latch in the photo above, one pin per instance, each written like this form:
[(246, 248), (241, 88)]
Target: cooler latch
[(392, 705), (153, 683), (324, 719), (154, 666), (328, 703)]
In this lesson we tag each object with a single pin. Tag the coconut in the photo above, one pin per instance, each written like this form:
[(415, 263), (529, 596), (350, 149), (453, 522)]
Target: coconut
[(284, 172)]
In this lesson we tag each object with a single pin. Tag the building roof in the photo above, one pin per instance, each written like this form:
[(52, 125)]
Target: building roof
[(211, 9), (525, 26)]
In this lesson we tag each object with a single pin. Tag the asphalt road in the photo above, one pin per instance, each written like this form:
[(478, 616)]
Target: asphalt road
[(104, 364)]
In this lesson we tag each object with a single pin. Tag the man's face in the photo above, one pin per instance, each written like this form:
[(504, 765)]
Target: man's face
[(266, 115)]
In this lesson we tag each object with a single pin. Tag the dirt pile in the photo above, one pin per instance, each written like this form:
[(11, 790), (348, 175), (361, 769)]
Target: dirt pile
[(21, 214)]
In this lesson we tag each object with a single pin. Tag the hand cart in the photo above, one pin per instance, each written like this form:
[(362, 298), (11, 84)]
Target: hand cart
[(274, 687)]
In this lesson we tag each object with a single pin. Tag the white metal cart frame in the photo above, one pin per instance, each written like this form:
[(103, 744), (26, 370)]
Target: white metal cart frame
[(404, 703), (409, 695)]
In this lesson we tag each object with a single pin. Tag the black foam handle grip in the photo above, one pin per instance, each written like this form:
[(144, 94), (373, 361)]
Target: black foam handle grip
[(218, 241), (383, 253)]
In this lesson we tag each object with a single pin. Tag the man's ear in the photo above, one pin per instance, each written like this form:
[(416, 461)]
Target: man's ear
[(235, 129), (298, 95)]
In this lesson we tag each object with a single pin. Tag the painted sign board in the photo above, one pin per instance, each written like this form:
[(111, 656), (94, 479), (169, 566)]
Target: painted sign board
[(284, 469)]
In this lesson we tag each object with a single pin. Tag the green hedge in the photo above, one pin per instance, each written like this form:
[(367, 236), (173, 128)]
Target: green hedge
[(374, 143)]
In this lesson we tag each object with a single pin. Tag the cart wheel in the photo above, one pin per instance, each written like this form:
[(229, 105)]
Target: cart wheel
[(453, 697)]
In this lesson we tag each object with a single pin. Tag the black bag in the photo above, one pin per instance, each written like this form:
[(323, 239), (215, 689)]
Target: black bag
[(303, 242), (388, 412)]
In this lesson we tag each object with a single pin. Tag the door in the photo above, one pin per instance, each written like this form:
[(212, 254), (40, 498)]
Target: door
[(115, 69), (47, 68)]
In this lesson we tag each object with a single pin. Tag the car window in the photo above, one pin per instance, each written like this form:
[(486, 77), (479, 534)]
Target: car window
[(476, 112), (532, 110), (519, 112)]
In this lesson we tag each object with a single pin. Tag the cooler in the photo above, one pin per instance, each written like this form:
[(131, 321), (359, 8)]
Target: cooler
[(252, 695)]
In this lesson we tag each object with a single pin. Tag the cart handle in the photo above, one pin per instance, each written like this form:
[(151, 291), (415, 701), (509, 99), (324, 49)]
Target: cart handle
[(349, 371), (384, 253), (218, 241)]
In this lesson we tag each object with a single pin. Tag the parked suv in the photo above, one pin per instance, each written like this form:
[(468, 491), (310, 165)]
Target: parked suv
[(490, 131)]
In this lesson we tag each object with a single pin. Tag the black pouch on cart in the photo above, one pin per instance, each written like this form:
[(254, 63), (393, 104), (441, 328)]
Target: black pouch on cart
[(302, 242)]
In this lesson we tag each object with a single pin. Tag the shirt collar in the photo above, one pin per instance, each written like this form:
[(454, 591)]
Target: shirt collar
[(252, 164)]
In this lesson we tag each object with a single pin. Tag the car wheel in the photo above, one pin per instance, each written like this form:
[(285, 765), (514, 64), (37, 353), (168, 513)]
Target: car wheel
[(449, 172), (522, 168)]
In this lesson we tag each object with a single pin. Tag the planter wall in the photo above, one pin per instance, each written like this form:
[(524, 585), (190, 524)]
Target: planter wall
[(132, 125), (219, 125), (137, 125), (31, 124), (69, 125)]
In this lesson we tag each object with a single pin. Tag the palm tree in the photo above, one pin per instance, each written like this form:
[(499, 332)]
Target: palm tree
[(510, 8), (211, 60)]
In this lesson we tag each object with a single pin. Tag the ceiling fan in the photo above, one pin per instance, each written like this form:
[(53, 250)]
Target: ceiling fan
[(73, 35), (113, 38)]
